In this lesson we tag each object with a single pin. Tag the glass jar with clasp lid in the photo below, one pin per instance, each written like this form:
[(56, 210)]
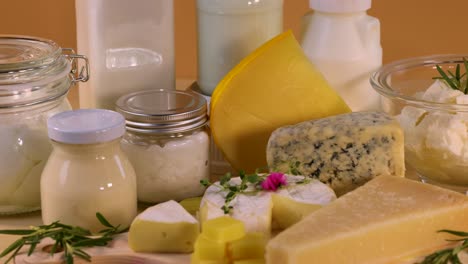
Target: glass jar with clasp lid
[(35, 77), (167, 142)]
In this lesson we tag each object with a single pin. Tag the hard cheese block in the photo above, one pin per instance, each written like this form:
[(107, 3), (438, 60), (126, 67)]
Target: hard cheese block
[(343, 151), (164, 228), (387, 219)]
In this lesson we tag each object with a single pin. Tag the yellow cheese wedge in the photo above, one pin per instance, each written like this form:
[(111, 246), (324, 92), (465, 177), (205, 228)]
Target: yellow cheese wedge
[(386, 219), (162, 228), (223, 229), (251, 246), (274, 86)]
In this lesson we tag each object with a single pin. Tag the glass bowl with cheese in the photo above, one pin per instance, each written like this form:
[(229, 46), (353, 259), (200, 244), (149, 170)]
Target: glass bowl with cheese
[(429, 96)]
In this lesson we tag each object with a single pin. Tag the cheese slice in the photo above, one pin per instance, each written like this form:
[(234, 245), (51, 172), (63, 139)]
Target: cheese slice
[(164, 228), (386, 219)]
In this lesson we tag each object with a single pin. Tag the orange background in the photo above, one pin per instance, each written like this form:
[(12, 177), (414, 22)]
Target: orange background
[(409, 27)]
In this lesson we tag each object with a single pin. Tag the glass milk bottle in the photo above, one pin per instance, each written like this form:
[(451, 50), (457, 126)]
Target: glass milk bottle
[(87, 172), (344, 43), (228, 31), (130, 46)]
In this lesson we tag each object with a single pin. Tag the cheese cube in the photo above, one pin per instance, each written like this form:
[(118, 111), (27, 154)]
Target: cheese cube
[(208, 249), (343, 151), (385, 220), (164, 228), (223, 229), (251, 246)]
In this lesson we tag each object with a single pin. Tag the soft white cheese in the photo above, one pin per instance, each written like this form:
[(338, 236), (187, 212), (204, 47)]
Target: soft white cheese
[(436, 138)]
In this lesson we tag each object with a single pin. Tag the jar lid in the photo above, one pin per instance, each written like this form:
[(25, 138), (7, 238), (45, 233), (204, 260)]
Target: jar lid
[(86, 126), (22, 52), (163, 111)]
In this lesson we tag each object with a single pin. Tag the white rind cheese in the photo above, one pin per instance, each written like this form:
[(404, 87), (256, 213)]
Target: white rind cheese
[(254, 210), (257, 208), (343, 151)]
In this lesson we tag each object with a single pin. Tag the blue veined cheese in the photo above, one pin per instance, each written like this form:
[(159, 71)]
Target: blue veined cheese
[(343, 151)]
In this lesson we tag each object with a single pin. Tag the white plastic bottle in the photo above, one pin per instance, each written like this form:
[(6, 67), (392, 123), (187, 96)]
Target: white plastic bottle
[(344, 43), (130, 46)]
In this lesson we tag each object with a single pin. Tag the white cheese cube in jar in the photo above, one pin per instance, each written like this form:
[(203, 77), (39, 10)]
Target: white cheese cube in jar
[(87, 171), (35, 77), (168, 143)]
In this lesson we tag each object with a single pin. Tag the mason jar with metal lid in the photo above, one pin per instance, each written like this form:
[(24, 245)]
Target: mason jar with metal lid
[(167, 142), (35, 77)]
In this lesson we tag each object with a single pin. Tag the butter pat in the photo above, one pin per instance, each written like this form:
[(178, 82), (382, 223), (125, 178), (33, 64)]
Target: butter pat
[(164, 228), (386, 219), (251, 246), (223, 229)]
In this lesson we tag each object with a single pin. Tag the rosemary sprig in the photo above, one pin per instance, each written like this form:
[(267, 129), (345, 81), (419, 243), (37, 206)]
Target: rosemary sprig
[(456, 81), (448, 255), (69, 239)]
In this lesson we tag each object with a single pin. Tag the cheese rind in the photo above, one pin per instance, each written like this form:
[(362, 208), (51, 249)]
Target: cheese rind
[(386, 219), (343, 151), (164, 228)]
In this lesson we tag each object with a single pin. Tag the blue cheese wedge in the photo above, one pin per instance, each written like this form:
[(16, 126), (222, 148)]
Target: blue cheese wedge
[(343, 151)]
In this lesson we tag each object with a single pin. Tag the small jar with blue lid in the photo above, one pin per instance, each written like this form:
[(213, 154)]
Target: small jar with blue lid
[(87, 172)]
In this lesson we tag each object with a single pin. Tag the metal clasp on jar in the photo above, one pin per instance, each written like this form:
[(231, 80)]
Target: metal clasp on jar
[(81, 75)]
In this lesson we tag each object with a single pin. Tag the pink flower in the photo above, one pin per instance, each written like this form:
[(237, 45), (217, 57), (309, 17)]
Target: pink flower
[(274, 181)]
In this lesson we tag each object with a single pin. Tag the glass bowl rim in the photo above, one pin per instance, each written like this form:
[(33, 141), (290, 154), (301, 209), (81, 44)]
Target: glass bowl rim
[(379, 82)]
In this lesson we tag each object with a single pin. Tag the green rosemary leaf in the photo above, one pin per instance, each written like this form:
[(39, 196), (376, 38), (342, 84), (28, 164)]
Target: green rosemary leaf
[(446, 78), (233, 188), (465, 63), (12, 247), (103, 220), (454, 232), (17, 232)]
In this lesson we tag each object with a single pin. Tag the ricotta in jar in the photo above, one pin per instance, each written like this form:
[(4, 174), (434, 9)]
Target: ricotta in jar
[(436, 142), (170, 168)]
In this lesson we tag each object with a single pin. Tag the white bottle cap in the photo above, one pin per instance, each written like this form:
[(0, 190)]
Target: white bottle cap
[(86, 126), (340, 6)]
